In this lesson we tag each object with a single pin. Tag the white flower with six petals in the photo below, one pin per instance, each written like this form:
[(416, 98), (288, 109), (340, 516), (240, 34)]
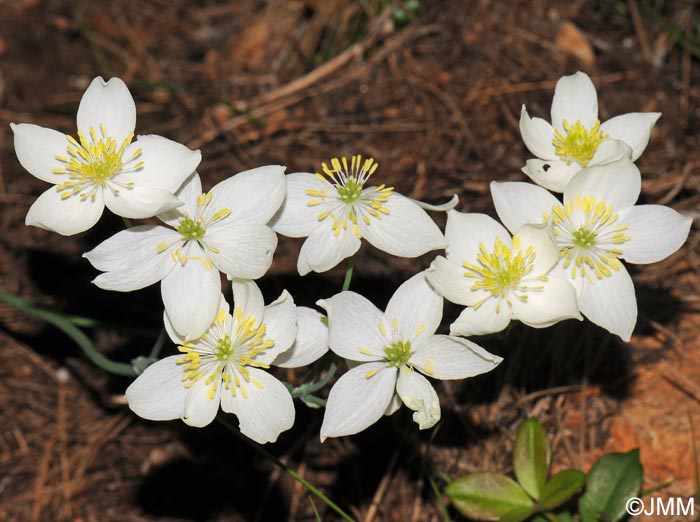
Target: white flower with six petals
[(103, 167), (393, 350)]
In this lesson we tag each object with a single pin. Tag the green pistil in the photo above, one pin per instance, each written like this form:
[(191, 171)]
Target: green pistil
[(223, 349), (583, 238), (351, 191), (398, 353), (190, 229)]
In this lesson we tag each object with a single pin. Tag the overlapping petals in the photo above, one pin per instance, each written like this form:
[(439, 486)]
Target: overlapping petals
[(499, 278), (227, 366), (576, 138), (223, 230), (597, 225)]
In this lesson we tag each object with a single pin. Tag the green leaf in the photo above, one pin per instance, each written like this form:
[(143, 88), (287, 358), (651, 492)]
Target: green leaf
[(561, 487), (565, 516), (486, 495), (531, 457), (613, 480), (518, 514)]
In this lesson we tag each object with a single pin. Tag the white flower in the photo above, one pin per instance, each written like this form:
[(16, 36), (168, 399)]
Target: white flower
[(223, 230), (597, 225), (337, 212), (576, 138), (103, 166), (225, 366), (500, 279), (393, 348)]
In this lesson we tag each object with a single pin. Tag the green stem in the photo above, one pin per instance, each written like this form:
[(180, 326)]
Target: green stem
[(348, 274), (127, 222), (158, 346), (289, 471), (72, 331), (312, 387)]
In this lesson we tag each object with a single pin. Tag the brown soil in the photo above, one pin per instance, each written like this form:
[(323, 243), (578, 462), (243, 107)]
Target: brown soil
[(436, 101)]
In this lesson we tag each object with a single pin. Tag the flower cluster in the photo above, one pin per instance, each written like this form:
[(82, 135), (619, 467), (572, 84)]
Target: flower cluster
[(554, 259)]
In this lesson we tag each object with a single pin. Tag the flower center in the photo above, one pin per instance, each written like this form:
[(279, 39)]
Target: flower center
[(583, 238), (225, 358), (500, 271), (92, 162), (398, 353), (223, 349), (588, 238), (579, 144), (190, 229), (348, 205)]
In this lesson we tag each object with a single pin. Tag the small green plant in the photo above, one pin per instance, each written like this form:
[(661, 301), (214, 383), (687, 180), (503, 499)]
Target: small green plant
[(613, 480)]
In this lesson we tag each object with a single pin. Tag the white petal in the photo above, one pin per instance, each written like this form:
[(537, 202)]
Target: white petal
[(634, 129), (253, 196), (446, 357), (611, 303), (465, 232), (356, 401), (166, 163), (181, 339), (248, 298), (199, 409), (66, 216), (539, 239), (131, 259), (482, 320), (241, 250), (394, 405), (518, 204), (266, 411), (553, 175), (189, 192), (37, 147), (280, 320), (443, 207), (323, 250), (354, 324), (555, 302), (295, 218), (419, 395), (655, 233), (108, 104), (191, 297), (575, 99), (447, 278), (610, 151), (310, 343), (416, 308), (537, 135), (158, 393), (138, 201), (407, 231), (618, 183)]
